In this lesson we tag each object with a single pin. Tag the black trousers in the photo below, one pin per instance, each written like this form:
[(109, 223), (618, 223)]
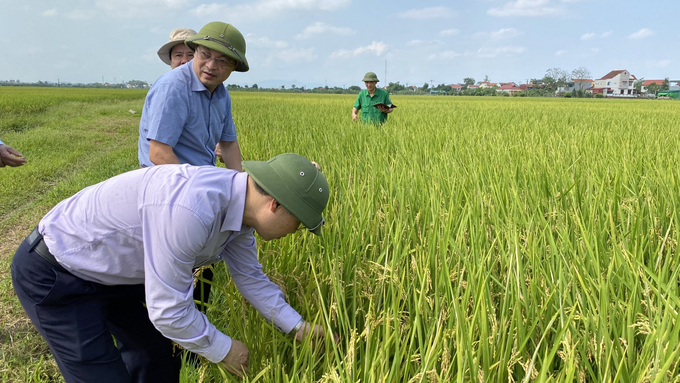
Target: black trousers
[(79, 319)]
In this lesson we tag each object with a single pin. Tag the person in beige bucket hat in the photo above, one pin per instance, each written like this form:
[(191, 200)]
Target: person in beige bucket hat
[(175, 52)]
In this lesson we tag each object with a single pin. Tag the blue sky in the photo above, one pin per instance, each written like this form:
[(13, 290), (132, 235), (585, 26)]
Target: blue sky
[(334, 42)]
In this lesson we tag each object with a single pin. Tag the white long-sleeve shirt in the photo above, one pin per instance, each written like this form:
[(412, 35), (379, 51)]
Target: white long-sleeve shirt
[(152, 226)]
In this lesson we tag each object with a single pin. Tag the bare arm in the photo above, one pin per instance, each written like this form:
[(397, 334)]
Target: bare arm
[(161, 154), (231, 154), (10, 157), (354, 114)]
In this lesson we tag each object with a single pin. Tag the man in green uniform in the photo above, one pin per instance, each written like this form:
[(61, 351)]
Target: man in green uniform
[(366, 100)]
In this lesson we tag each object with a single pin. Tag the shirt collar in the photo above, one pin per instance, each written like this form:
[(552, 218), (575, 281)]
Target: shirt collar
[(233, 219)]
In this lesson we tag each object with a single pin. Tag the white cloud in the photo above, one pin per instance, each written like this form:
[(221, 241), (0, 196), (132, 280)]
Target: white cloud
[(595, 50), (376, 48), (443, 55), (526, 8), (50, 13), (320, 28), (659, 64), (589, 36), (641, 34), (498, 35), (264, 42), (427, 13), (560, 52), (498, 51), (415, 43), (140, 8), (265, 9), (449, 32), (291, 55), (81, 14)]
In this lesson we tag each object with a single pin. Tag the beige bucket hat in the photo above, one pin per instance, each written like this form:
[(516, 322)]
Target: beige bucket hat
[(177, 36)]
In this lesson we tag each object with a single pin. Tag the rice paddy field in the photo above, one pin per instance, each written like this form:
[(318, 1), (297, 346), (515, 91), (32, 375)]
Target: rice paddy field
[(479, 239)]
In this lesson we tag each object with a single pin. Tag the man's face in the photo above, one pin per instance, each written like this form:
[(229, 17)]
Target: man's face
[(212, 67), (370, 85), (280, 224), (180, 54)]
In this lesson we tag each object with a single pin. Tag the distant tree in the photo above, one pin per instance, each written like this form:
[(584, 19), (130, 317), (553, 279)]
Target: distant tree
[(283, 87), (555, 78), (580, 73), (254, 86), (486, 78), (653, 88), (665, 85), (638, 85), (467, 81), (425, 87), (292, 86), (354, 88), (138, 83)]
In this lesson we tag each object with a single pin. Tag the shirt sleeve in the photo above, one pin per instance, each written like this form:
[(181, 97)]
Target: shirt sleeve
[(172, 236), (167, 109), (229, 129), (246, 272), (357, 103)]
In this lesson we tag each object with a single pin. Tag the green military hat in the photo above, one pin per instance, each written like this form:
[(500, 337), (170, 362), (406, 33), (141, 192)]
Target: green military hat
[(370, 76), (295, 183), (224, 38)]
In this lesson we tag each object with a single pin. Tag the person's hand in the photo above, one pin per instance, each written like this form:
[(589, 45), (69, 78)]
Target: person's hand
[(236, 360), (218, 152), (384, 109), (315, 331), (354, 117), (10, 157)]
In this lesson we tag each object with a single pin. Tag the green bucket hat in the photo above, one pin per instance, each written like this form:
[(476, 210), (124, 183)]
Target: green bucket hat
[(294, 182), (370, 76), (224, 38)]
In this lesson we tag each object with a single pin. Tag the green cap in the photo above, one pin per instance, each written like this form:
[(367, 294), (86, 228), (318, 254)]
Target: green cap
[(294, 182), (224, 38), (370, 76)]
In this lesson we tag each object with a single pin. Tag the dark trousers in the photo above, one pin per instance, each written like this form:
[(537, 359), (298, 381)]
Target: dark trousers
[(79, 319)]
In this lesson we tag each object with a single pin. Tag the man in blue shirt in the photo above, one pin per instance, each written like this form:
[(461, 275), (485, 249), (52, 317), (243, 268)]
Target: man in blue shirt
[(117, 259), (187, 111)]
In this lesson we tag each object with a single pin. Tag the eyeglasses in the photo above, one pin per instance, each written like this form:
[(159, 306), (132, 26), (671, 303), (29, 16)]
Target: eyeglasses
[(222, 63)]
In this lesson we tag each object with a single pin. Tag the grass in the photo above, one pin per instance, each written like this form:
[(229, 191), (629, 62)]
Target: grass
[(468, 239)]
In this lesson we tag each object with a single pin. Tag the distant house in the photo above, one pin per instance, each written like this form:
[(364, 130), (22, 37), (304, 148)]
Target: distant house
[(473, 86), (576, 84), (510, 88), (617, 83), (456, 87), (647, 83), (486, 84)]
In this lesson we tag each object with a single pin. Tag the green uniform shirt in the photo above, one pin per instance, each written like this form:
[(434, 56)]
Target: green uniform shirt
[(369, 113)]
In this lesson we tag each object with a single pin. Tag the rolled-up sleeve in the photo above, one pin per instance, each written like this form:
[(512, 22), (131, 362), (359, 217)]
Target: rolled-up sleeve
[(246, 272), (167, 108), (172, 236)]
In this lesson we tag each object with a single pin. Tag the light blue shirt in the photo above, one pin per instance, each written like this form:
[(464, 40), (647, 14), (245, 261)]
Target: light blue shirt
[(179, 111), (152, 226), (1, 142)]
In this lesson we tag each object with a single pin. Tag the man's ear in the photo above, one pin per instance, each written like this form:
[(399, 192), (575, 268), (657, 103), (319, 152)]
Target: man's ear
[(272, 205)]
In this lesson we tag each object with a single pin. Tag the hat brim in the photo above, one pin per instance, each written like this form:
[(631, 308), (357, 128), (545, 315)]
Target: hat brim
[(239, 56), (164, 51), (269, 180)]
